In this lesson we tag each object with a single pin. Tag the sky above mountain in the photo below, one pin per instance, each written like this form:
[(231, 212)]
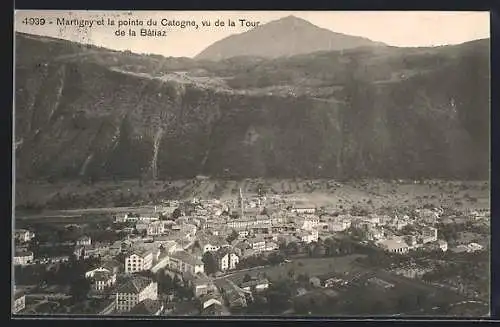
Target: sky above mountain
[(404, 29)]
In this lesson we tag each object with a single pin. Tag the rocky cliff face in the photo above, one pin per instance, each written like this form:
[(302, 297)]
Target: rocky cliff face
[(96, 113)]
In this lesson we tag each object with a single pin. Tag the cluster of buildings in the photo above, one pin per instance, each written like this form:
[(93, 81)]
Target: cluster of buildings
[(177, 237), (421, 237)]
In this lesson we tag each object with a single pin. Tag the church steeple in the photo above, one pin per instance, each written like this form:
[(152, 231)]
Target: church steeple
[(241, 202)]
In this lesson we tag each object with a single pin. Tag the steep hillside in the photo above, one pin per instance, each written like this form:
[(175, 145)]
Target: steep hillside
[(284, 37), (385, 112)]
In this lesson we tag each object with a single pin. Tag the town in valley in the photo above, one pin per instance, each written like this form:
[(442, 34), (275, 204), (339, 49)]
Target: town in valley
[(251, 164), (264, 249)]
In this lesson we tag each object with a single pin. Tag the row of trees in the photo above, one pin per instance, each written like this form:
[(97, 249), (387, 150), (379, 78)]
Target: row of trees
[(261, 260), (329, 247)]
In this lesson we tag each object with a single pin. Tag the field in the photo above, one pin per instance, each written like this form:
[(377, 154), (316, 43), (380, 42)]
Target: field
[(310, 266), (119, 196)]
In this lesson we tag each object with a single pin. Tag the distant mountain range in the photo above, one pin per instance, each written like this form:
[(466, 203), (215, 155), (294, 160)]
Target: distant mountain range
[(94, 113), (285, 37)]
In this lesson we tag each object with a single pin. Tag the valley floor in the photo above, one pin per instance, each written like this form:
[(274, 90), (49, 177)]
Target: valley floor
[(76, 198)]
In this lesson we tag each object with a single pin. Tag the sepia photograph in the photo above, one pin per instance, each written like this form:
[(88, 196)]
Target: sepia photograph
[(251, 164)]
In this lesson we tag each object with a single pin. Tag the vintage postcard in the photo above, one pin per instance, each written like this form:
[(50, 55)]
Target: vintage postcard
[(251, 164)]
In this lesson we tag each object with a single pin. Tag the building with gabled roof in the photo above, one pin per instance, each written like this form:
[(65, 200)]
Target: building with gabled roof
[(211, 243), (18, 301), (136, 289), (255, 285), (200, 283), (182, 262), (139, 260), (22, 258), (207, 300), (227, 259), (101, 280), (84, 240), (23, 235)]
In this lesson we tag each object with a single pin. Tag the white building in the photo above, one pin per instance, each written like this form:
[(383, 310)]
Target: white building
[(443, 245), (474, 247), (255, 285), (135, 290), (227, 259), (308, 237), (375, 233), (243, 233), (304, 208), (339, 225), (429, 234), (257, 244), (84, 240), (19, 302), (101, 280), (23, 235), (394, 245), (310, 223), (148, 219), (271, 246), (156, 228), (211, 244), (128, 218), (22, 258), (139, 261)]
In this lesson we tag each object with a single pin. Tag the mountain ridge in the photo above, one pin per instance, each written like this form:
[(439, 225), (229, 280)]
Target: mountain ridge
[(284, 37), (375, 112)]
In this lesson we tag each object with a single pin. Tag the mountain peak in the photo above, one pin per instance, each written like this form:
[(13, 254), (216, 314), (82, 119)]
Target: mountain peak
[(283, 37)]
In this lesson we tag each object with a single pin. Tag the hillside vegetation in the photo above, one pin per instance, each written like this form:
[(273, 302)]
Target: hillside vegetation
[(93, 113)]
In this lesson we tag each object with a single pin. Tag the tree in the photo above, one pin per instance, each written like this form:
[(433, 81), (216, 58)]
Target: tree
[(177, 213), (247, 278), (275, 258), (292, 248), (319, 251), (176, 282), (79, 289), (234, 235), (165, 283), (278, 296), (210, 263)]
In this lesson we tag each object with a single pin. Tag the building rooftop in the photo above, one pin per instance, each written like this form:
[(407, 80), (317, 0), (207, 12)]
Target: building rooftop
[(393, 243), (23, 253), (199, 278), (212, 240), (102, 275), (141, 252), (186, 257), (147, 307), (255, 282), (134, 285), (257, 239)]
